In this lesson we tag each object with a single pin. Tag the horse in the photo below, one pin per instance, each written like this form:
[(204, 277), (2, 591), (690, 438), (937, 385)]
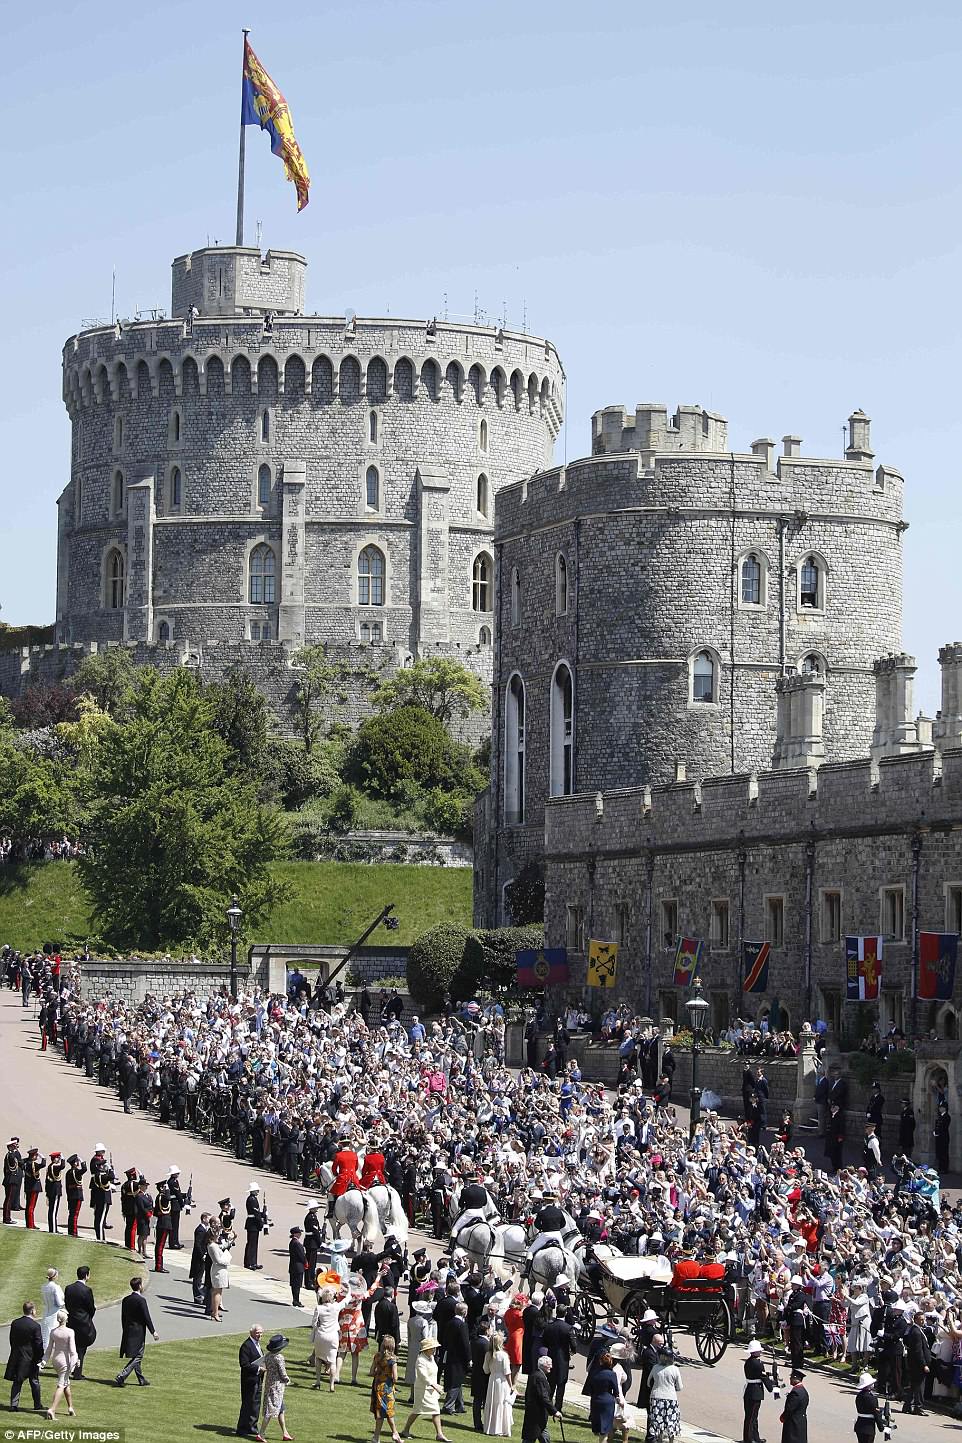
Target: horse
[(498, 1245), (390, 1211), (551, 1261), (355, 1210)]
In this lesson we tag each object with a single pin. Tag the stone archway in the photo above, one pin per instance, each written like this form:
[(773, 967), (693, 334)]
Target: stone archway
[(947, 1022)]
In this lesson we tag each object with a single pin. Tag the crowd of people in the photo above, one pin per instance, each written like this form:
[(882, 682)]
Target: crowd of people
[(858, 1262)]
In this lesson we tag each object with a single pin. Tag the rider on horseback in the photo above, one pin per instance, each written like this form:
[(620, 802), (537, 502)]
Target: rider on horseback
[(477, 1206), (344, 1164), (372, 1172), (553, 1223)]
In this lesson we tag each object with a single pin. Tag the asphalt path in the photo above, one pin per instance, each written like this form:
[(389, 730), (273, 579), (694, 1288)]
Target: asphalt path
[(50, 1104)]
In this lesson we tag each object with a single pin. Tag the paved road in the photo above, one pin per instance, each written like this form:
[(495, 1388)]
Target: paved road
[(51, 1104)]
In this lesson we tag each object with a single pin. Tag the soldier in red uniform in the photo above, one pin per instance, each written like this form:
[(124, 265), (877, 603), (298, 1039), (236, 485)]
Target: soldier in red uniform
[(372, 1173), (344, 1164)]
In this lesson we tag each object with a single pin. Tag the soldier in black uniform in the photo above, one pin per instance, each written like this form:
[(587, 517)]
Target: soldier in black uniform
[(875, 1107), (163, 1212), (178, 1201), (868, 1411), (53, 1187), (33, 1183), (75, 1192), (253, 1226), (757, 1384), (102, 1180), (143, 1211), (128, 1207), (12, 1178), (889, 1326), (227, 1215), (312, 1241)]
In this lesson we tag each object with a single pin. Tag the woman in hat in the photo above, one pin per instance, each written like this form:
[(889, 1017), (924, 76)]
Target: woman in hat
[(664, 1415), (353, 1329), (420, 1326), (427, 1390), (275, 1383), (514, 1332), (859, 1342), (53, 1300), (604, 1392), (499, 1398), (326, 1334), (384, 1387)]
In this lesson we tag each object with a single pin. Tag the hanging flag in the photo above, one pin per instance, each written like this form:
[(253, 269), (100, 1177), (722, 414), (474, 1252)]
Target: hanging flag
[(687, 960), (263, 104), (863, 968), (938, 953), (545, 968), (756, 957), (602, 964)]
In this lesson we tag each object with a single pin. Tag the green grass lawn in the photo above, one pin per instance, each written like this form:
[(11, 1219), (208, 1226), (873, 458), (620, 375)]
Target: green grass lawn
[(332, 902), (26, 1256), (195, 1393)]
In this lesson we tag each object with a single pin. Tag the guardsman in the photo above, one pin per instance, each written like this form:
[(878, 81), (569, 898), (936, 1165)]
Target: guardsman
[(33, 1183), (101, 1190), (869, 1417), (163, 1214), (143, 1212), (178, 1199), (128, 1206), (75, 1192), (53, 1187), (253, 1227), (227, 1215), (12, 1178)]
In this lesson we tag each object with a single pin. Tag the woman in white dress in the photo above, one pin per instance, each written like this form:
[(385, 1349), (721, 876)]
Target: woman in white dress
[(326, 1333), (52, 1296), (420, 1326), (427, 1391), (496, 1417), (859, 1342), (62, 1353), (219, 1254)]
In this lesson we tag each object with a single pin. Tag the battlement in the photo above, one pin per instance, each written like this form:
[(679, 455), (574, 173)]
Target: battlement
[(238, 281), (691, 428)]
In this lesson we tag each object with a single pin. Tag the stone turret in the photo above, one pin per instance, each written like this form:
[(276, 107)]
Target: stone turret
[(896, 731), (238, 281), (692, 428), (799, 710), (947, 731)]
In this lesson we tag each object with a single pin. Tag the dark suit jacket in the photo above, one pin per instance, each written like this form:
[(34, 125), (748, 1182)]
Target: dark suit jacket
[(794, 1419), (457, 1353), (387, 1321), (538, 1407), (250, 1358), (79, 1301), (26, 1350), (297, 1261), (135, 1324), (479, 1378)]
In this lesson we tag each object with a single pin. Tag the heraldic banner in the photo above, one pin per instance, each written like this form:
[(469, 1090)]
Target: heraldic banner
[(938, 954), (602, 964), (547, 968), (863, 968), (687, 960)]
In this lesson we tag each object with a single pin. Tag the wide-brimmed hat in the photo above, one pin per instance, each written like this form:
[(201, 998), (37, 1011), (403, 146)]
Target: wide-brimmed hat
[(277, 1342), (429, 1344), (649, 1316), (755, 1346), (339, 1245), (865, 1380), (423, 1308)]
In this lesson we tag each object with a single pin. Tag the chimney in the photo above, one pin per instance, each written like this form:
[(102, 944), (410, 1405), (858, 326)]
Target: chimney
[(895, 729), (859, 446), (791, 445), (765, 448), (947, 731)]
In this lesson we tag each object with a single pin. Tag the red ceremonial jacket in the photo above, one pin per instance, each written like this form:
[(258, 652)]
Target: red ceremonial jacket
[(344, 1164), (372, 1173)]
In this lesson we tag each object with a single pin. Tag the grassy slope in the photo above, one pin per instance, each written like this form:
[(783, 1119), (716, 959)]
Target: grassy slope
[(332, 902), (26, 1256), (195, 1393)]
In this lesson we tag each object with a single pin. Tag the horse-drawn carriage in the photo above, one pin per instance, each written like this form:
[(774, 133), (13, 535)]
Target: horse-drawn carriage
[(627, 1288)]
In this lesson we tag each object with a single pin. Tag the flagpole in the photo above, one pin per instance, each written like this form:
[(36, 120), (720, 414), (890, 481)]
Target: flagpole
[(240, 159)]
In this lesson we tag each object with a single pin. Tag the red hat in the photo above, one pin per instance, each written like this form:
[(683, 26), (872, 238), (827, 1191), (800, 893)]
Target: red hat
[(131, 1172), (53, 1155)]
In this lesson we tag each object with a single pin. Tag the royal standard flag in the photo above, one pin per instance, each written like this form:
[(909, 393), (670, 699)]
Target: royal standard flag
[(938, 954), (863, 968), (687, 960), (547, 968), (263, 104), (756, 959), (602, 964)]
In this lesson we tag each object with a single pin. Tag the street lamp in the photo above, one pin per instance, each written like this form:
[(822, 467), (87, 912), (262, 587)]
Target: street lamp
[(234, 915), (697, 1009)]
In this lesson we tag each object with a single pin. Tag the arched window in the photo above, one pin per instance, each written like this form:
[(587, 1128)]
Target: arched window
[(117, 502), (483, 497), (517, 388), (562, 733), (163, 631), (265, 428), (483, 435), (481, 583), (372, 488), (812, 665), (751, 588), (370, 631), (455, 379), (176, 489), (264, 485), (476, 382), (370, 577), (514, 753), (497, 384), (515, 597), (704, 681), (372, 428), (262, 574), (376, 381), (78, 501), (484, 636), (115, 581), (561, 585), (811, 584)]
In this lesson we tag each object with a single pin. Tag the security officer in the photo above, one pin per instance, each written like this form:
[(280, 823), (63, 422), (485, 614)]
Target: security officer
[(12, 1178), (869, 1417), (757, 1384), (102, 1180), (178, 1201), (253, 1226), (128, 1206), (53, 1187), (33, 1183), (75, 1192)]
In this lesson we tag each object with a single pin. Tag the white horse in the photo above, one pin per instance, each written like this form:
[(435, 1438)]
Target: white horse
[(390, 1211), (551, 1261), (499, 1246), (355, 1210)]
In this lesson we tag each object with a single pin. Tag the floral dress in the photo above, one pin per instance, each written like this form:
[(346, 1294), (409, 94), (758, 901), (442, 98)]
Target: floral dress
[(353, 1333), (383, 1386), (275, 1383)]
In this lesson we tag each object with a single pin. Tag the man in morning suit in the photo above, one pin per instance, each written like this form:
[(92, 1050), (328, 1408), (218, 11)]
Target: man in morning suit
[(79, 1301), (135, 1324), (26, 1353), (251, 1360)]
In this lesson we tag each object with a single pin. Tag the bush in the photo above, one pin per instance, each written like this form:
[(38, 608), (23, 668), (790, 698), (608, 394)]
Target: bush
[(433, 964), (450, 813), (296, 776), (403, 746), (490, 958), (345, 809)]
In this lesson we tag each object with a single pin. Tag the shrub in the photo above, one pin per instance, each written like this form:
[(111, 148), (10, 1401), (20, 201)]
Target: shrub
[(450, 813), (490, 958), (345, 809), (296, 776), (402, 746), (433, 964)]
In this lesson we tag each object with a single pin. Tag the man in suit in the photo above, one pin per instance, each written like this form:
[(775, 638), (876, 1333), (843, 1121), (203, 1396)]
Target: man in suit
[(795, 1416), (918, 1360), (79, 1301), (26, 1353), (457, 1360), (479, 1378), (538, 1407), (251, 1360), (198, 1256), (387, 1321), (135, 1324), (296, 1266)]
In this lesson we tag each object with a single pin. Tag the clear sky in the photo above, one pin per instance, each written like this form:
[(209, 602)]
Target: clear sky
[(753, 207)]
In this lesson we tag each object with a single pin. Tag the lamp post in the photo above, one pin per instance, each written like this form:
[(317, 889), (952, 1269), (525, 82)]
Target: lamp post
[(234, 915), (697, 1009)]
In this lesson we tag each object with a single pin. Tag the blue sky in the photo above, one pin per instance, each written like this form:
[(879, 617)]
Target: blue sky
[(723, 206)]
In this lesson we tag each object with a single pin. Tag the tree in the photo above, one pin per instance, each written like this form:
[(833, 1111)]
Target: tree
[(403, 746), (110, 677), (36, 798), (437, 684), (240, 719), (433, 963), (317, 680), (525, 895), (44, 704), (490, 958), (173, 831)]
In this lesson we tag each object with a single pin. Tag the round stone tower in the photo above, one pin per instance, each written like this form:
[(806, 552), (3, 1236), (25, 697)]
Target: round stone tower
[(247, 472)]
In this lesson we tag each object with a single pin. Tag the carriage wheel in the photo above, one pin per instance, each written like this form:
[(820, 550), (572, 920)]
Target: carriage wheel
[(711, 1336), (584, 1311)]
